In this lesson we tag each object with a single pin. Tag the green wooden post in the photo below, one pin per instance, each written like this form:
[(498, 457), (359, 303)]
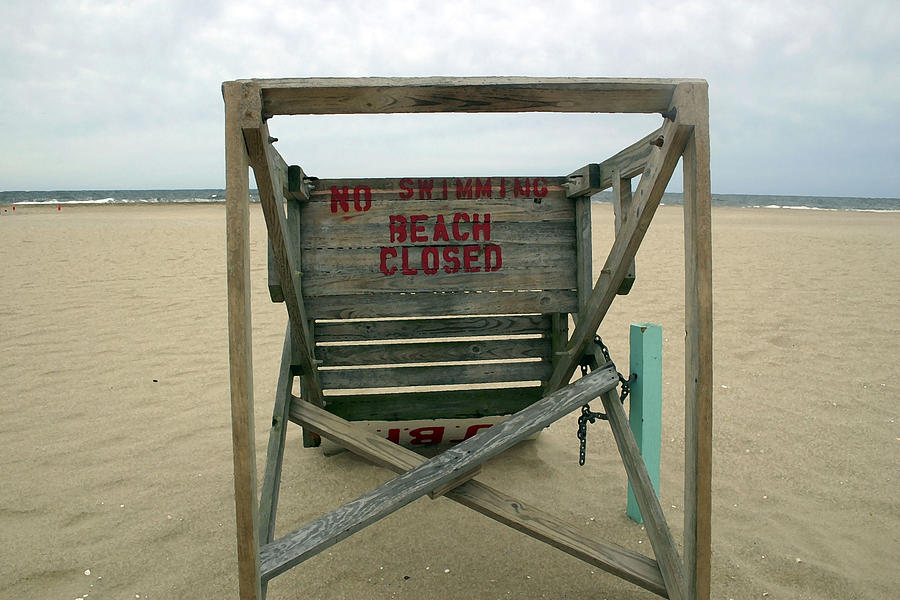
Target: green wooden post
[(645, 414)]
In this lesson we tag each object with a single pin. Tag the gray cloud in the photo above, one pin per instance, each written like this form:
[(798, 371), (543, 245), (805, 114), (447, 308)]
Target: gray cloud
[(127, 94)]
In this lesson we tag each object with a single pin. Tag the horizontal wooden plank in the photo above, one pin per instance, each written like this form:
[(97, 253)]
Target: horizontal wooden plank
[(451, 404), (408, 329), (463, 94), (316, 214), (450, 262), (526, 278), (359, 306), (485, 189), (629, 565), (423, 352), (538, 234), (350, 378), (318, 535)]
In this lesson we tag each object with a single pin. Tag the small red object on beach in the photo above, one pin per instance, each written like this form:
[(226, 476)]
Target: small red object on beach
[(58, 207)]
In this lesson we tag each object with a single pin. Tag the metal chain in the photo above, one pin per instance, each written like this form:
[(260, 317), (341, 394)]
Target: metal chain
[(589, 416)]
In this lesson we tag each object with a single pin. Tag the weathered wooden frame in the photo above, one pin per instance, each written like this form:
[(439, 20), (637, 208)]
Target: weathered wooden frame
[(684, 134)]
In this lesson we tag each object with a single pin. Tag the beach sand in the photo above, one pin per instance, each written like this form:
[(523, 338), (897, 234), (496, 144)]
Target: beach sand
[(116, 476)]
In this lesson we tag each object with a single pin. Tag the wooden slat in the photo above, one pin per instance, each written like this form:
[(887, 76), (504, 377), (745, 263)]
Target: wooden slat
[(490, 502), (268, 498), (627, 163), (337, 235), (282, 554), (410, 329), (670, 564), (237, 235), (507, 278), (322, 262), (621, 207), (649, 193), (351, 378), (464, 94), (452, 404), (698, 345), (423, 352), (583, 250), (363, 306)]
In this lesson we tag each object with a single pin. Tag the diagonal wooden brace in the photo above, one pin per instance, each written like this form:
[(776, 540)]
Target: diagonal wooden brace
[(646, 199), (531, 521), (256, 136), (294, 548)]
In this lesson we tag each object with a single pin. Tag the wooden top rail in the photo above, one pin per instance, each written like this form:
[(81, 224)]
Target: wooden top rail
[(463, 94)]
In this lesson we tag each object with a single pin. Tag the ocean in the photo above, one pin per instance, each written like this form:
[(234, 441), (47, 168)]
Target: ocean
[(218, 195)]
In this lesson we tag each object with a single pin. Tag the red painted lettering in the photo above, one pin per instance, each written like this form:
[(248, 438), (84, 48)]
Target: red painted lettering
[(470, 256), (426, 435), (432, 252), (404, 262), (483, 189), (415, 229), (394, 435), (397, 226), (444, 190), (540, 187), (463, 190), (451, 262), (503, 187), (440, 230), (479, 229), (520, 190), (470, 431), (406, 189), (425, 187), (385, 254), (492, 251), (457, 218), (365, 192), (340, 197)]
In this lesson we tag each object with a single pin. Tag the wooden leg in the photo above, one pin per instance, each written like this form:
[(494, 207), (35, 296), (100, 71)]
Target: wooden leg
[(698, 393), (237, 223), (657, 530), (268, 501)]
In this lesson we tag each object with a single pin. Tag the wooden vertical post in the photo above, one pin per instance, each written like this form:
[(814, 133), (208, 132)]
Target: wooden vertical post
[(237, 233), (698, 344), (645, 408), (622, 207)]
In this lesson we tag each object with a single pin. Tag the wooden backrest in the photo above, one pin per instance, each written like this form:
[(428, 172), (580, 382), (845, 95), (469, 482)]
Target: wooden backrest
[(449, 283)]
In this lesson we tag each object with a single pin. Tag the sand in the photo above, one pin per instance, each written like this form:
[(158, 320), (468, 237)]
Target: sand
[(114, 419)]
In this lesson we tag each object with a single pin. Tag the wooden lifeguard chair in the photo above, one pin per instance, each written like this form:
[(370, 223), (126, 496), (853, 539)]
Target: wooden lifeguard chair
[(464, 285)]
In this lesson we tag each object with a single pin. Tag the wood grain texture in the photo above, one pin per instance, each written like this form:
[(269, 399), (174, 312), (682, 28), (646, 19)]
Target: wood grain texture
[(268, 497), (411, 329), (627, 164), (237, 236), (366, 306), (424, 352), (649, 193), (669, 562), (583, 250), (621, 207), (357, 378), (282, 554), (270, 194), (490, 502), (451, 404), (698, 405), (463, 94)]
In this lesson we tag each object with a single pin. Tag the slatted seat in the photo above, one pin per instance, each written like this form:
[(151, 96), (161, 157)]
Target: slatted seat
[(435, 299)]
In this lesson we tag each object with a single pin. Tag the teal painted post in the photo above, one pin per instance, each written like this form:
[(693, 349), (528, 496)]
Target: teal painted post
[(645, 414)]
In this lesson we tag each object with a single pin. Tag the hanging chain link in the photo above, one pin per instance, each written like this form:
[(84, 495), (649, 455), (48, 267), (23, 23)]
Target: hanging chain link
[(587, 415)]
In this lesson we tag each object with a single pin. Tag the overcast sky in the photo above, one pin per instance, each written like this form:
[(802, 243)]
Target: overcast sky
[(804, 96)]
